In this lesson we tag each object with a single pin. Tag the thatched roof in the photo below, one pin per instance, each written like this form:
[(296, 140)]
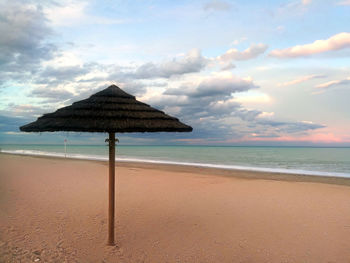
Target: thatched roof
[(110, 110)]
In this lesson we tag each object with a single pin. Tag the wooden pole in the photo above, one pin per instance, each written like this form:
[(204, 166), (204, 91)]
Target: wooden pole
[(111, 191)]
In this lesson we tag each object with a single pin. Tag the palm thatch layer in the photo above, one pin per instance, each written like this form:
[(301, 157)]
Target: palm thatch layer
[(110, 110)]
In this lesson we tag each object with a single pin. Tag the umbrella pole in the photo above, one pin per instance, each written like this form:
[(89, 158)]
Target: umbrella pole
[(111, 191)]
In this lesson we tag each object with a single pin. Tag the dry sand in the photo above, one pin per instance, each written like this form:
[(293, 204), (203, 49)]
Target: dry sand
[(55, 210)]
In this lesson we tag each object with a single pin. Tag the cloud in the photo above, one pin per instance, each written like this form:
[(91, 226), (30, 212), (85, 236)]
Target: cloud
[(336, 42), (23, 42), (208, 104), (222, 87), (52, 94), (345, 2), (306, 2), (253, 98), (228, 66), (26, 56), (300, 80), (190, 63), (333, 83), (238, 41), (211, 107), (294, 9), (252, 52), (70, 13), (265, 114), (137, 88), (11, 124), (280, 29), (290, 127), (26, 111), (207, 100), (63, 74), (217, 5), (66, 14), (247, 115)]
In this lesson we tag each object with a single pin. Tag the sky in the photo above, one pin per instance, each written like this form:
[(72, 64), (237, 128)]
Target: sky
[(239, 72)]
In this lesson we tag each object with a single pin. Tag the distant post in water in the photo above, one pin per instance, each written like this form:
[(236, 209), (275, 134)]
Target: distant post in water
[(65, 148), (111, 190)]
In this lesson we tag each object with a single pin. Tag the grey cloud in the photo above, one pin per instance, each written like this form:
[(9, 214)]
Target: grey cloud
[(134, 88), (139, 87), (224, 108), (133, 79), (51, 94), (62, 74), (228, 66), (265, 128), (247, 115), (24, 31), (26, 111), (191, 63), (217, 5), (214, 87), (208, 98), (86, 90), (291, 127), (169, 101), (209, 107), (116, 72), (11, 123), (55, 75), (222, 87)]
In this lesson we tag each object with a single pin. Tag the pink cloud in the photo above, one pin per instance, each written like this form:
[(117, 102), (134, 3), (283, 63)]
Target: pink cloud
[(336, 42), (306, 2), (327, 137), (333, 83), (252, 52), (315, 138), (300, 80), (345, 2)]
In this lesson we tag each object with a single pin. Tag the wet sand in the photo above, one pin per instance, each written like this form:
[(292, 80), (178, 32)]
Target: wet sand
[(55, 210)]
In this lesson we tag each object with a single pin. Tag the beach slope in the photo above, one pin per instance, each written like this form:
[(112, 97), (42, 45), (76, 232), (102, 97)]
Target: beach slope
[(55, 210)]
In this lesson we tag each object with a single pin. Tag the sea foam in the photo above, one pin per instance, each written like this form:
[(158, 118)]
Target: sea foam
[(169, 162)]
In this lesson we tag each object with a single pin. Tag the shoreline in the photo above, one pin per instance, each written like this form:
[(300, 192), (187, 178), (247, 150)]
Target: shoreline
[(202, 170)]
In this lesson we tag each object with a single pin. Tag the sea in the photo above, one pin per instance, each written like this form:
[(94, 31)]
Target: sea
[(319, 161)]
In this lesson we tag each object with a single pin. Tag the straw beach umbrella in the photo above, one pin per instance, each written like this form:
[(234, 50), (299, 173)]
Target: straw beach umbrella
[(110, 111)]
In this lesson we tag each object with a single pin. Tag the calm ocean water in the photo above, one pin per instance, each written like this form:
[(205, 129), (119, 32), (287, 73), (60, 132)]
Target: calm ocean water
[(298, 160)]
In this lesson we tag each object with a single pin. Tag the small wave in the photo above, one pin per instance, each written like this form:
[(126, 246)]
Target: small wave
[(56, 154), (204, 165)]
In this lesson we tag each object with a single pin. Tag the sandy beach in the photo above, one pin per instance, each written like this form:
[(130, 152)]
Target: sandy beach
[(55, 210)]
